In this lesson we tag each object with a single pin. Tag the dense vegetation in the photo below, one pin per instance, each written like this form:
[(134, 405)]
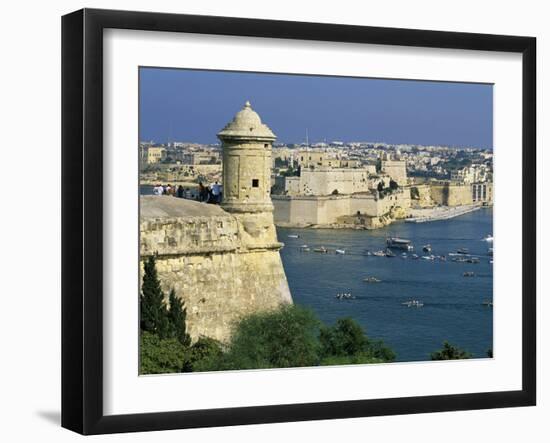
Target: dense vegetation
[(291, 336)]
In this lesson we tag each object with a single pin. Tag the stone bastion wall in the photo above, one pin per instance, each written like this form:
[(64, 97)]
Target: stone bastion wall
[(212, 261)]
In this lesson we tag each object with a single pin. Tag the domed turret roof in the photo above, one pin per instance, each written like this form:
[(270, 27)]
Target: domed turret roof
[(246, 124)]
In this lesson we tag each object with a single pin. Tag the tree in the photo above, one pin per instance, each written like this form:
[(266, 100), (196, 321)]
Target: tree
[(393, 185), (290, 172), (347, 343), (205, 353), (161, 356), (176, 317), (283, 338), (380, 186), (450, 352), (153, 313), (345, 338)]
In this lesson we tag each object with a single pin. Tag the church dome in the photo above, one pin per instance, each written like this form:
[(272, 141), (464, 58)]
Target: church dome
[(246, 124)]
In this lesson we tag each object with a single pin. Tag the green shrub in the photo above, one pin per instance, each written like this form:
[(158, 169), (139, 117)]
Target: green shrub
[(345, 338), (346, 341), (161, 356), (205, 354), (450, 352)]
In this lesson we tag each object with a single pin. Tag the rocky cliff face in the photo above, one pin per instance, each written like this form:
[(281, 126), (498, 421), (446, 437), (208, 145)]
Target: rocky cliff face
[(222, 266)]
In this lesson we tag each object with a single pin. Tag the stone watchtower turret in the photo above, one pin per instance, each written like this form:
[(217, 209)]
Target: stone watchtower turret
[(246, 143), (246, 163)]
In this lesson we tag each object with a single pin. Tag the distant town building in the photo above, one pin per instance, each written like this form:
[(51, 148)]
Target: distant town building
[(152, 154), (482, 193), (472, 174), (307, 158), (200, 158)]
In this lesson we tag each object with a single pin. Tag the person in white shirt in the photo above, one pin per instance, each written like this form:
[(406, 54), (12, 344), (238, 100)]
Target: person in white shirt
[(158, 190), (216, 192)]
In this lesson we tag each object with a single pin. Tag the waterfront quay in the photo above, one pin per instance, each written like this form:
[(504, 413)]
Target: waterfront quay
[(424, 215), (454, 307)]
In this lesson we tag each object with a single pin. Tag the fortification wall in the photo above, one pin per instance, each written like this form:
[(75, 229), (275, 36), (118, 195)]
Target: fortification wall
[(326, 210), (451, 194), (424, 199), (309, 210), (366, 204), (329, 209), (220, 268), (323, 181)]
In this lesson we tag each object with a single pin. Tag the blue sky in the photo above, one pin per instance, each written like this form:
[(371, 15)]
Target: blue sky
[(190, 105)]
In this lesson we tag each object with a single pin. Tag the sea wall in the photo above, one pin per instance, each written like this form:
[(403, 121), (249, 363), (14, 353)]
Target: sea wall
[(221, 266)]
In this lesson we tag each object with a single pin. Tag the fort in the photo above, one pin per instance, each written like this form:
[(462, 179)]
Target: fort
[(222, 261), (359, 197)]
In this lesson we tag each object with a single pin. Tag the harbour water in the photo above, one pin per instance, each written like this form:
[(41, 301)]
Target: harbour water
[(453, 304)]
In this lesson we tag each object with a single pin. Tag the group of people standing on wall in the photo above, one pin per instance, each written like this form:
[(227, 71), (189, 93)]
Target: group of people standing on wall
[(210, 193), (206, 194)]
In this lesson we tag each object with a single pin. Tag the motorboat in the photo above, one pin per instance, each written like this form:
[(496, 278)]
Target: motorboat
[(413, 304), (389, 253), (468, 274), (321, 249), (490, 252), (293, 236), (372, 280), (399, 243), (379, 253), (427, 248), (428, 257), (487, 303), (345, 296), (340, 251), (488, 238), (415, 257), (463, 251)]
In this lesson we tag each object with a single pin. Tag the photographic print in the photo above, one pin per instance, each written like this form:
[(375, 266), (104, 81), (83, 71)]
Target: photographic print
[(299, 220)]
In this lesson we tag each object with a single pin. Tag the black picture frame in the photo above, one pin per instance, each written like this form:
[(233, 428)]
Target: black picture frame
[(82, 218)]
